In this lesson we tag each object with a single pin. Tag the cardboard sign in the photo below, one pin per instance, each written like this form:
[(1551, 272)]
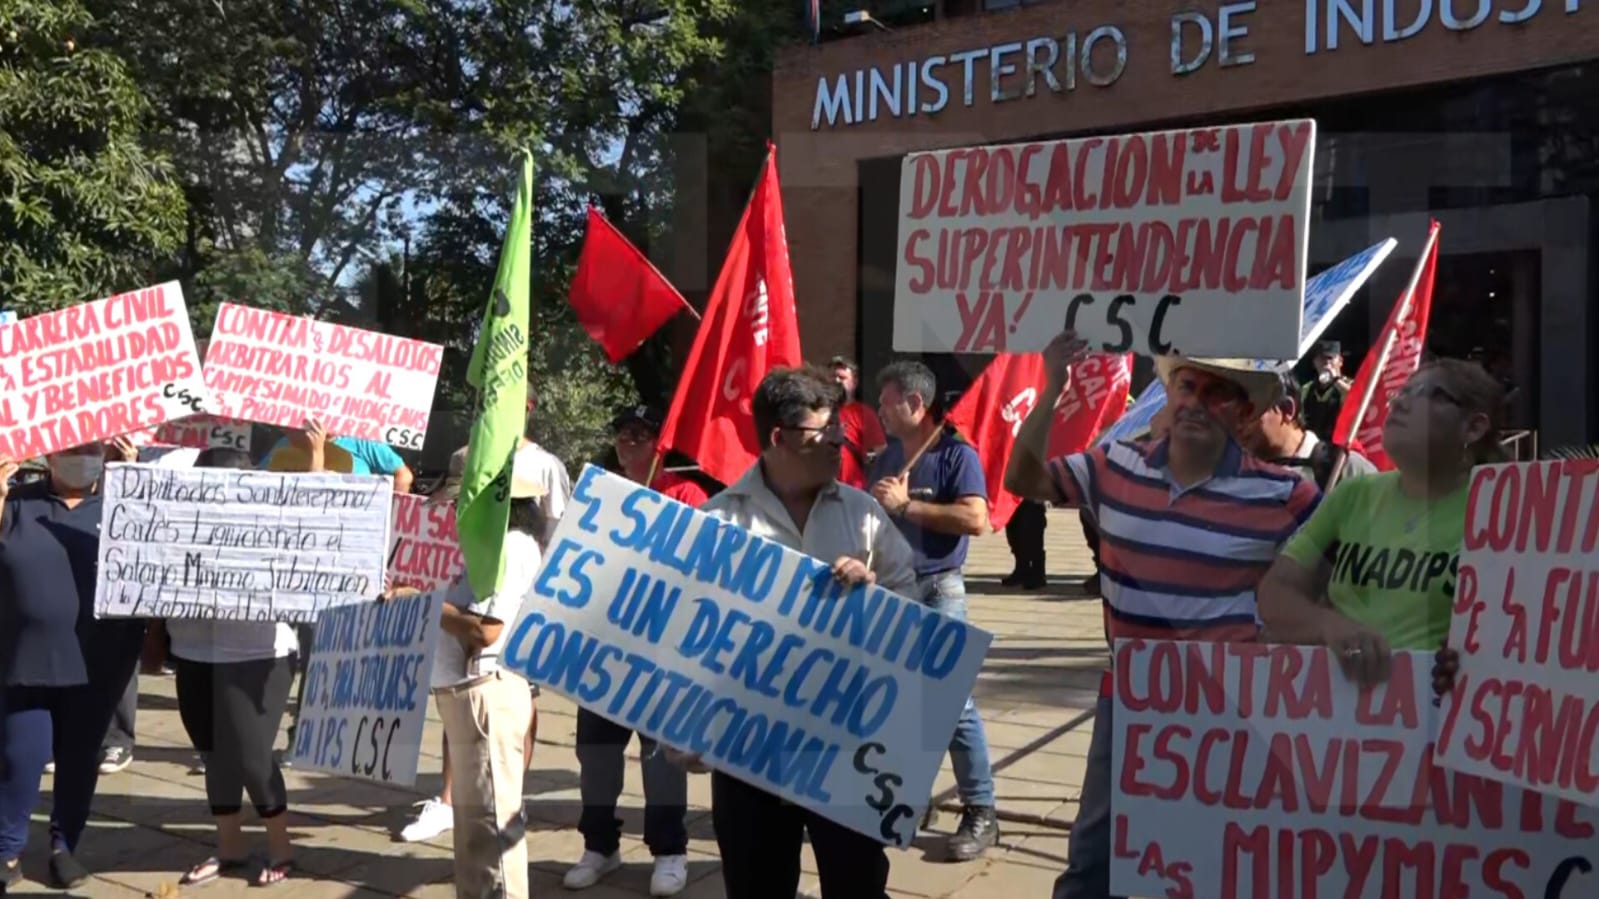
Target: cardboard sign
[(715, 641), (1326, 295), (245, 545), (1525, 708), (1248, 771), (96, 371), (282, 369), (366, 690), (424, 550), (1191, 240)]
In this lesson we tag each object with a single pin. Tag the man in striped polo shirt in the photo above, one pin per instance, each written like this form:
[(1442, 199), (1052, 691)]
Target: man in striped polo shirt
[(1188, 525)]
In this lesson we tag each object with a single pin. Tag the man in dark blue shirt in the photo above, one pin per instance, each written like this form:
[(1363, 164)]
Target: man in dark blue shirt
[(931, 482)]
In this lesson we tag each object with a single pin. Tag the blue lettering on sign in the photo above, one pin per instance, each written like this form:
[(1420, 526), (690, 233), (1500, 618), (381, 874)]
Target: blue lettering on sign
[(582, 496), (546, 584), (684, 712), (718, 553), (643, 605)]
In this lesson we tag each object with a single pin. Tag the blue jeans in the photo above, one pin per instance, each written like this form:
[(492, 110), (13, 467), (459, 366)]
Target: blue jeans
[(1087, 874), (968, 748)]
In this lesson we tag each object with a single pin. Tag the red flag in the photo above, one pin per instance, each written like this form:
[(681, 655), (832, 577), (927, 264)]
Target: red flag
[(991, 411), (1382, 373), (749, 328), (1096, 398), (619, 297)]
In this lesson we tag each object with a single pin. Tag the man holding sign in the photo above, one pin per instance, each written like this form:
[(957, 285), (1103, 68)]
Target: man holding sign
[(1190, 523), (792, 496)]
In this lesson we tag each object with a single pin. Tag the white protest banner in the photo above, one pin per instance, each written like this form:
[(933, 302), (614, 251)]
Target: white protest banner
[(1251, 771), (1525, 708), (366, 689), (230, 544), (716, 641), (1326, 295), (424, 549), (1189, 240), (96, 371), (282, 369)]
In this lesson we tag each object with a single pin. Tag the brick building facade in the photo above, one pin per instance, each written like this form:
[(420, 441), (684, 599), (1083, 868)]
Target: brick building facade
[(1479, 113)]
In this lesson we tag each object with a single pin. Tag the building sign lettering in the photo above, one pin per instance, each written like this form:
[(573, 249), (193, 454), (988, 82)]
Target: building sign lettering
[(1016, 69)]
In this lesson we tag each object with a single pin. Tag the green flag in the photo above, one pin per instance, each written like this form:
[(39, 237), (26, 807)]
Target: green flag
[(498, 375)]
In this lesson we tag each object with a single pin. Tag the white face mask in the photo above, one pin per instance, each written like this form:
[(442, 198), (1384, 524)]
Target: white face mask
[(1325, 376), (76, 472)]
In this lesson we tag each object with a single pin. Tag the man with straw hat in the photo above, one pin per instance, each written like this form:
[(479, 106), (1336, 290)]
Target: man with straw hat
[(1190, 522)]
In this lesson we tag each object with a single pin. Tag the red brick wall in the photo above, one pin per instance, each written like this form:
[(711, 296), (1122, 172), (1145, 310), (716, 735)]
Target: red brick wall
[(818, 168)]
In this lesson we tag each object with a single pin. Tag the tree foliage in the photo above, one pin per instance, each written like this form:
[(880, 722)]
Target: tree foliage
[(86, 209)]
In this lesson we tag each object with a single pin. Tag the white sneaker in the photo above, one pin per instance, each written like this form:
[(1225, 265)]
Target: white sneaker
[(434, 818), (590, 868), (671, 875)]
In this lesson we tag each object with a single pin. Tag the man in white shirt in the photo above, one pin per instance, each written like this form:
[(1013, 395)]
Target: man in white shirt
[(1279, 436), (792, 496), (487, 712), (547, 471)]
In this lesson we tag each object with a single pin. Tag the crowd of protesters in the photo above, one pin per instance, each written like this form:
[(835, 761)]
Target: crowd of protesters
[(1204, 528)]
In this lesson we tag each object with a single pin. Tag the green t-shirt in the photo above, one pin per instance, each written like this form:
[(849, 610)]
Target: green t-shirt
[(1393, 557)]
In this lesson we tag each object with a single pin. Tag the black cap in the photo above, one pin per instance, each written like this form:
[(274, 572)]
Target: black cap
[(1329, 348), (643, 416), (845, 361)]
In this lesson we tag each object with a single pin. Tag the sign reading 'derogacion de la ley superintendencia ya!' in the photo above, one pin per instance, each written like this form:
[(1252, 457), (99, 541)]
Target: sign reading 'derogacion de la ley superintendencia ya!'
[(97, 370), (238, 545), (366, 689), (1252, 771), (1525, 708), (1188, 241), (282, 369), (751, 655)]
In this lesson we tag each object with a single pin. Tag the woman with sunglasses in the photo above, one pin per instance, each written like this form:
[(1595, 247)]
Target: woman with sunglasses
[(1387, 546)]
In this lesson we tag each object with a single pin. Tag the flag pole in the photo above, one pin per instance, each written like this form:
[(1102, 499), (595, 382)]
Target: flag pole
[(1389, 340)]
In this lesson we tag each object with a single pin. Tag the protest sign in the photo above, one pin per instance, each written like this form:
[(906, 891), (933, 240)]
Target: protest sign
[(719, 642), (1525, 708), (96, 371), (1190, 240), (1326, 295), (1249, 771), (282, 369), (238, 545), (197, 432), (424, 550), (366, 689)]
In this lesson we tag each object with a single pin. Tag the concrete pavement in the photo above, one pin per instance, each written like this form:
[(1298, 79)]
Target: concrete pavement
[(1036, 692)]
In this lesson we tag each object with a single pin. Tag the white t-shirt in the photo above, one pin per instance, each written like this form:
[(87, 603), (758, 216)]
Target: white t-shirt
[(450, 663), (557, 484), (225, 642)]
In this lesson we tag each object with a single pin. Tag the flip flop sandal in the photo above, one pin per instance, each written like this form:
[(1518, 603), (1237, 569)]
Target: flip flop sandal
[(211, 870), (275, 873)]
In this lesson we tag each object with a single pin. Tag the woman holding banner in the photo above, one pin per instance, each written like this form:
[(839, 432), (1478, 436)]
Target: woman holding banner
[(233, 682), (64, 670), (1388, 545)]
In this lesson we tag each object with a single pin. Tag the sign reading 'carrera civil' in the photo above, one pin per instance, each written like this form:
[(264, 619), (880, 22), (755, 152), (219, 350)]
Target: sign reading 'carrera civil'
[(1189, 241)]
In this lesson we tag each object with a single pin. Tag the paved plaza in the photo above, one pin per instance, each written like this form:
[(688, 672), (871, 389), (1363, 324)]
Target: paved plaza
[(1037, 691)]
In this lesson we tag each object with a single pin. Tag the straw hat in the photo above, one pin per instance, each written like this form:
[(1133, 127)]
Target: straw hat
[(525, 483), (1263, 386)]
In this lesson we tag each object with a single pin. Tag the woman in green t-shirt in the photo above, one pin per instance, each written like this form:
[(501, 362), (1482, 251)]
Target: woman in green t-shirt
[(1387, 546)]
